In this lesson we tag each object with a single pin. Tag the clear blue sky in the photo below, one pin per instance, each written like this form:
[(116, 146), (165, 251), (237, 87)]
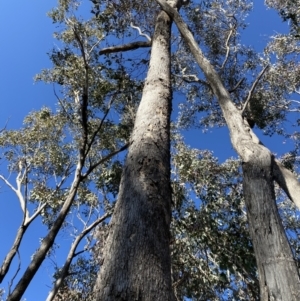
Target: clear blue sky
[(26, 37)]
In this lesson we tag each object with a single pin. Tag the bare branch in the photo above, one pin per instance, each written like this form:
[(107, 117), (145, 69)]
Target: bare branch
[(18, 193), (92, 167), (92, 48), (125, 47), (16, 273), (237, 85), (8, 184), (12, 252), (100, 125), (227, 47), (253, 87), (140, 32), (64, 272), (295, 101)]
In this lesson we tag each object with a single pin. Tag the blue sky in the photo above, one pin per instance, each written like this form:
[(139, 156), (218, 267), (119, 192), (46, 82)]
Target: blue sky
[(26, 37)]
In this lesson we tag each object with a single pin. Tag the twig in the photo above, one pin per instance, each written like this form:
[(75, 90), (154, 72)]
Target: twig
[(84, 176), (16, 273), (237, 85), (140, 32), (92, 48), (253, 88), (4, 128), (100, 125), (62, 105), (227, 47), (64, 272)]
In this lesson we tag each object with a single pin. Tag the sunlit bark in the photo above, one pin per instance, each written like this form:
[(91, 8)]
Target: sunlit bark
[(278, 273)]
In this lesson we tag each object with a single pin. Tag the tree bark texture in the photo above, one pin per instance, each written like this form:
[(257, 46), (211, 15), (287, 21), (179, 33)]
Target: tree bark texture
[(278, 273), (137, 263)]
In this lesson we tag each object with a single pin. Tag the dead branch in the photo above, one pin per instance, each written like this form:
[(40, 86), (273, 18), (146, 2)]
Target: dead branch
[(125, 47)]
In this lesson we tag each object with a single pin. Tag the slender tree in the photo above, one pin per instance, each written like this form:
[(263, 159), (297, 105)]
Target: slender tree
[(278, 273)]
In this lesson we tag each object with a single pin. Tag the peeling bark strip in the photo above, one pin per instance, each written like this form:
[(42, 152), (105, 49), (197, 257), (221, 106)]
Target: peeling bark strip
[(278, 273), (137, 263)]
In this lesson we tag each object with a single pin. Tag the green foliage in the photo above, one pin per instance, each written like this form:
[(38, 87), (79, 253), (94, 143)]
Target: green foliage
[(79, 285), (97, 97), (212, 254)]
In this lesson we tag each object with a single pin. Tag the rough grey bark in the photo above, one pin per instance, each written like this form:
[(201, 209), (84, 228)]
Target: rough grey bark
[(136, 256), (278, 274)]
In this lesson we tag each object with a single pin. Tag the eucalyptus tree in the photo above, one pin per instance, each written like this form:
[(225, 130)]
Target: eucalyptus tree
[(289, 11), (59, 157), (137, 262), (212, 253), (98, 88), (278, 273)]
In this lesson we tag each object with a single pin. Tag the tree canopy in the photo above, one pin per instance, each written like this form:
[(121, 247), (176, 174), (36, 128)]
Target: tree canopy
[(69, 167)]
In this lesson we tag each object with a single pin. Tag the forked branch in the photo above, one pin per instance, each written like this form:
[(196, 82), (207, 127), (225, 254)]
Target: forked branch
[(64, 271)]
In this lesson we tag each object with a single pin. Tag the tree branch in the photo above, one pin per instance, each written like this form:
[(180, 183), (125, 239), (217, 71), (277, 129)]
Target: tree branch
[(125, 47), (237, 85), (250, 93), (227, 47), (287, 181), (100, 125), (48, 239), (12, 252), (140, 32), (64, 272), (92, 167), (16, 273)]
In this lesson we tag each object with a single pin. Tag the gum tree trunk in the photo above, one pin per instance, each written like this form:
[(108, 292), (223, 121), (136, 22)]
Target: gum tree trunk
[(137, 262), (278, 273)]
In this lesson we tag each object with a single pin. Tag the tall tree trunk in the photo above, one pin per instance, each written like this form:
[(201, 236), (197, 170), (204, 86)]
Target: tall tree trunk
[(137, 262), (278, 273)]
